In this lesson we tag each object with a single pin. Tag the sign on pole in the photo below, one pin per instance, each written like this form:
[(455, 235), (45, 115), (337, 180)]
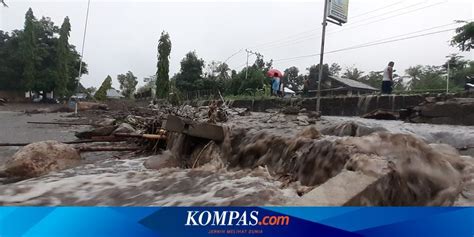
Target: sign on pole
[(338, 10)]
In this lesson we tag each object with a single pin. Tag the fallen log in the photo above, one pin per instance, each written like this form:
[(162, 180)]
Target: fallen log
[(59, 123), (70, 142), (97, 149), (144, 136)]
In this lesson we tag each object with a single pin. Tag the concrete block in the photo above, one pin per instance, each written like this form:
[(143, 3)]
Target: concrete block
[(337, 191)]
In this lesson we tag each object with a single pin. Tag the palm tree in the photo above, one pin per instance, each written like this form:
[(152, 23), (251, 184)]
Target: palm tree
[(414, 73), (353, 73)]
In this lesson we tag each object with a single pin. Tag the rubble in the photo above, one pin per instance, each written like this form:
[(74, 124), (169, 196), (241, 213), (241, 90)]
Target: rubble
[(381, 115), (457, 111), (292, 110), (2, 101), (105, 122), (343, 164), (123, 128), (96, 132), (82, 106), (41, 158)]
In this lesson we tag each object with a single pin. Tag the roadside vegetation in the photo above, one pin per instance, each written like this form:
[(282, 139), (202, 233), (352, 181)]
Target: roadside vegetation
[(39, 58)]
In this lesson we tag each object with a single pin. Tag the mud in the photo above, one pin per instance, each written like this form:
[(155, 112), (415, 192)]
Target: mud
[(272, 159)]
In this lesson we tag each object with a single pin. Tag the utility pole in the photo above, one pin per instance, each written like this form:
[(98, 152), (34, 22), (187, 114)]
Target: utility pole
[(84, 38), (337, 12), (321, 56)]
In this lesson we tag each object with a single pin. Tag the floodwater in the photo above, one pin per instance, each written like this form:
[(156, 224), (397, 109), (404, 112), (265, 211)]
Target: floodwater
[(126, 182)]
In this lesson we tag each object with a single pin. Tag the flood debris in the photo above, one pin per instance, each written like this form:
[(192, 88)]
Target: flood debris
[(82, 106), (455, 111), (124, 128), (2, 101), (96, 132), (191, 128), (381, 114), (270, 158)]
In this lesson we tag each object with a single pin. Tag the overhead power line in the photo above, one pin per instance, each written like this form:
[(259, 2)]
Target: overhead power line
[(369, 44), (309, 37), (231, 56), (318, 28)]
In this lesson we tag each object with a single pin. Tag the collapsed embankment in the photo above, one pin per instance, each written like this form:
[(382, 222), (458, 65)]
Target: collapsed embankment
[(268, 159)]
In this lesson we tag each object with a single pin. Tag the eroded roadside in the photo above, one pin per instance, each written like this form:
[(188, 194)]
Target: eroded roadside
[(269, 159)]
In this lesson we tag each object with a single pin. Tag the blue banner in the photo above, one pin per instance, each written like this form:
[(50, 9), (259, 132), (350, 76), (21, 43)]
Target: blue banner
[(236, 221)]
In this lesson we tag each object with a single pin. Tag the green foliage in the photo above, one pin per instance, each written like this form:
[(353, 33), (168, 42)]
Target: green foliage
[(335, 69), (91, 90), (62, 59), (29, 50), (101, 93), (150, 83), (39, 57), (128, 83), (464, 39), (430, 78), (353, 73), (190, 76), (162, 75), (314, 75), (293, 79), (374, 79)]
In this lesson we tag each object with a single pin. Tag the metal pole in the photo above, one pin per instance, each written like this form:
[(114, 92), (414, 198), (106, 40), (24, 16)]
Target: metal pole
[(321, 56), (84, 39)]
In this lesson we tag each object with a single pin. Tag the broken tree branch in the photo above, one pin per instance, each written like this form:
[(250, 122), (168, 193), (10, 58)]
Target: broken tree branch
[(59, 123), (69, 142), (96, 149)]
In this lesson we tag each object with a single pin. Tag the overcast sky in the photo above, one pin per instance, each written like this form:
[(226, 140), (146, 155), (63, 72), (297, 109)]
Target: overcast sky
[(123, 35)]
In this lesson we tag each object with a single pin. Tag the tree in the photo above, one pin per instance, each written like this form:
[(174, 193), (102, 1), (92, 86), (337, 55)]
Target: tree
[(292, 78), (91, 90), (335, 69), (101, 93), (374, 79), (29, 50), (128, 83), (3, 3), (62, 59), (430, 78), (464, 39), (314, 75), (33, 59), (162, 75), (189, 77), (353, 73)]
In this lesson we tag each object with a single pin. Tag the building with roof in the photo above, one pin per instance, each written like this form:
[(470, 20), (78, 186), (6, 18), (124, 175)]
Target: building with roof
[(343, 86), (113, 94)]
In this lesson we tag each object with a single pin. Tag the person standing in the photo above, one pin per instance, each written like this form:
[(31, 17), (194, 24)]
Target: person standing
[(387, 82), (276, 84)]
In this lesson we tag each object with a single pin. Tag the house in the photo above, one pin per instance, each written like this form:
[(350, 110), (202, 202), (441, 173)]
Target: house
[(113, 94), (343, 86)]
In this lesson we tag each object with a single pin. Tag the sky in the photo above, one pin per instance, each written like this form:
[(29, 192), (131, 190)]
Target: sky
[(122, 35)]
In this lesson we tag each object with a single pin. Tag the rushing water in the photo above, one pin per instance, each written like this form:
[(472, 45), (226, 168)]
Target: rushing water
[(264, 161)]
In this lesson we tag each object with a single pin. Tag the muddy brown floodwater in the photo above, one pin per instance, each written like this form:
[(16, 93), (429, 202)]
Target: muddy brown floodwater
[(266, 159)]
